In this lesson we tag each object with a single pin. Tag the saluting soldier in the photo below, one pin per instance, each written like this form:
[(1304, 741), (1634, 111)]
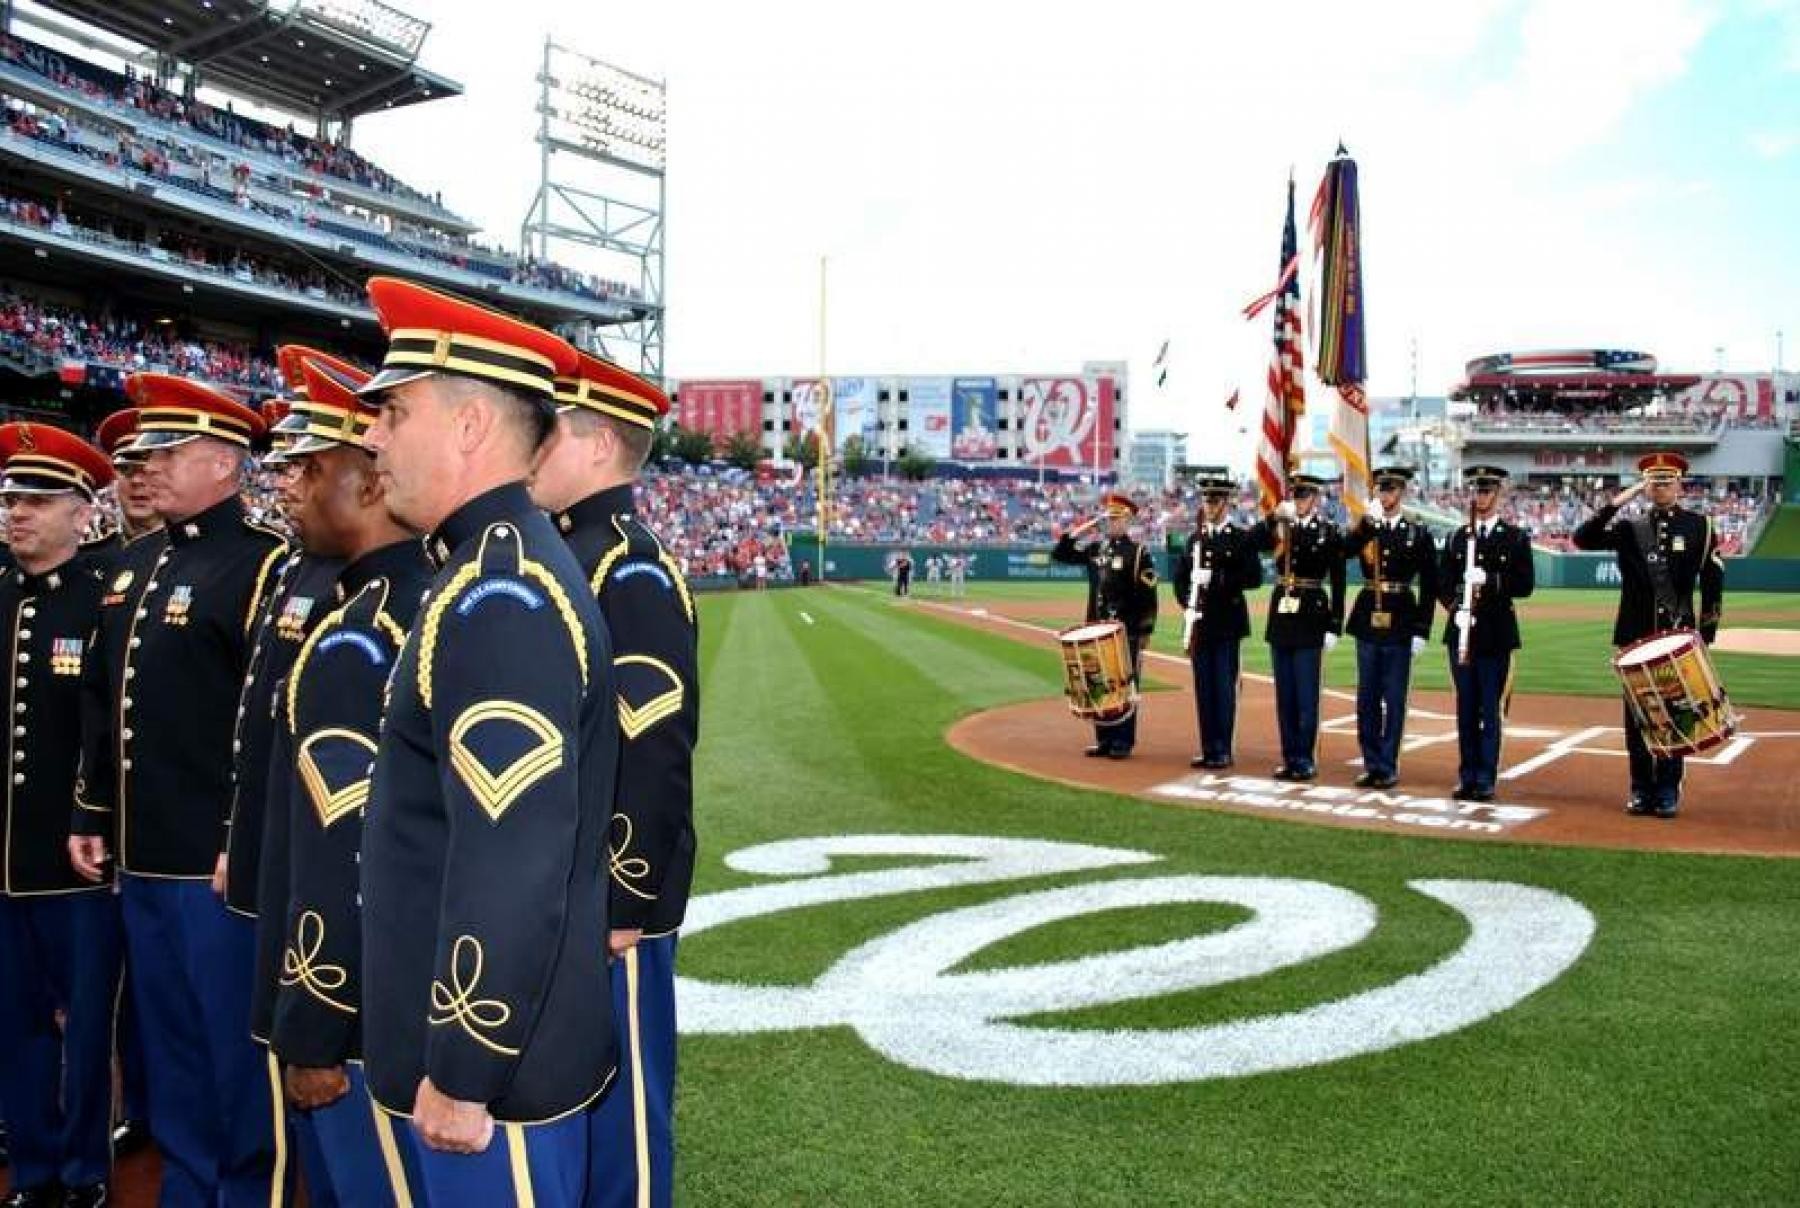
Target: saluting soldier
[(1306, 617), (485, 991), (1391, 621), (1121, 579), (606, 419), (1214, 569), (299, 597), (1664, 555), (1499, 573), (167, 733), (308, 1002), (60, 942)]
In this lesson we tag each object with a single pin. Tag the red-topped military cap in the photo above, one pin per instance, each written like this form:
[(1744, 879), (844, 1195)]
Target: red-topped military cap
[(116, 434), (291, 359), (1117, 503), (599, 385), (429, 332), (1662, 465), (334, 414), (41, 460), (172, 411)]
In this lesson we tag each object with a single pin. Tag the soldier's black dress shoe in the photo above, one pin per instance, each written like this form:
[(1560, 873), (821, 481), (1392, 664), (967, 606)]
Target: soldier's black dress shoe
[(1668, 807), (1384, 782), (1215, 764), (87, 1197), (1365, 781), (1199, 761), (129, 1136), (1284, 772), (1118, 752), (1480, 795), (1303, 773), (1098, 751), (1638, 806)]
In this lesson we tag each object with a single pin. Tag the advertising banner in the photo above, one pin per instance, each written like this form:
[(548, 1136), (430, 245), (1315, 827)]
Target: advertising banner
[(928, 417), (855, 402), (974, 419), (721, 409), (1060, 418)]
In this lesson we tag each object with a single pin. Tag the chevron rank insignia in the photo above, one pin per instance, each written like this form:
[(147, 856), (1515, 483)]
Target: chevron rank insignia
[(334, 767), (649, 691), (499, 749)]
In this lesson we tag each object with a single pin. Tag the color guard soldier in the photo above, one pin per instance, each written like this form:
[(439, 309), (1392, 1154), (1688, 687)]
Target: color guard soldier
[(137, 515), (60, 941), (308, 1001), (1499, 573), (1212, 572), (1391, 621), (485, 992), (1306, 616), (187, 642), (606, 419), (302, 592), (1664, 555), (1121, 587)]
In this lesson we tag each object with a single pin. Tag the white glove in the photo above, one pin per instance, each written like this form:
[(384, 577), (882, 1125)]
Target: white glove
[(1331, 640), (1205, 576), (1375, 508), (1285, 510), (1461, 618), (1475, 576), (1418, 646)]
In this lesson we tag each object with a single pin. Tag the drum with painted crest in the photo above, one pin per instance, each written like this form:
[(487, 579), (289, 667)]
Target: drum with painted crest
[(1097, 672), (1677, 697)]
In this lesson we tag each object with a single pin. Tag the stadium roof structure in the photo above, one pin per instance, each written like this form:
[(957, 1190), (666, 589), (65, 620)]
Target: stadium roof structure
[(1610, 391), (334, 58)]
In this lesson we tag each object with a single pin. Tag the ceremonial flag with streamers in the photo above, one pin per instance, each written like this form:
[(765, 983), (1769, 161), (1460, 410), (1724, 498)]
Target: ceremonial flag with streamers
[(1342, 358), (1287, 372)]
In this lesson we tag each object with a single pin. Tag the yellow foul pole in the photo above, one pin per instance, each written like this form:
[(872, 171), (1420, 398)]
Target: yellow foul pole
[(826, 432)]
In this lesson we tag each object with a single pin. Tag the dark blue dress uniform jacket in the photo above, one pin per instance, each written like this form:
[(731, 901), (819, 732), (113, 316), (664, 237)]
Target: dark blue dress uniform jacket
[(305, 590), (1236, 569), (308, 1001), (1685, 542), (483, 878), (50, 620), (1314, 568), (1121, 581), (1505, 554), (649, 615), (1398, 552), (165, 731)]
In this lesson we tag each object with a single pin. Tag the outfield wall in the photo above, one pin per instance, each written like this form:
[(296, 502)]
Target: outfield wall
[(1000, 563)]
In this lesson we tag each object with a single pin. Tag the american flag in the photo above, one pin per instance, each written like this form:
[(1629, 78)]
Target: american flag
[(1287, 371)]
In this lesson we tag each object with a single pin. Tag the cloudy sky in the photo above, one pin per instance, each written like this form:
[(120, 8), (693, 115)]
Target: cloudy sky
[(1009, 186)]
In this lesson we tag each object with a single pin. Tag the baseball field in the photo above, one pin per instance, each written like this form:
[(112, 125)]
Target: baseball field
[(914, 976)]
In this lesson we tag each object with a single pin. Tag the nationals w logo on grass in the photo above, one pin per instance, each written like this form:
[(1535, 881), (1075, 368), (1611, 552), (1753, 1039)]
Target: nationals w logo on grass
[(896, 990)]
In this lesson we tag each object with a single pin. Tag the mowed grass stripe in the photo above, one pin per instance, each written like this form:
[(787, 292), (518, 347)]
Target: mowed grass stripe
[(953, 657)]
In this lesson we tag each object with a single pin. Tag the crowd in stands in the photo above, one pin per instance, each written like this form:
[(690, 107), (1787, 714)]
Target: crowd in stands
[(129, 344), (276, 195), (1677, 423)]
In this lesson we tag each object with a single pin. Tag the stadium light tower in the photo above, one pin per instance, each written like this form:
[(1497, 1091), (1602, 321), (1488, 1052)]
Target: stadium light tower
[(602, 135)]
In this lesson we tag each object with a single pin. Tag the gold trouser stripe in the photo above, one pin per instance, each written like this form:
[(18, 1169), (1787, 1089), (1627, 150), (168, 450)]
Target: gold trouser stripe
[(277, 1178), (640, 1115), (390, 1157), (521, 1167)]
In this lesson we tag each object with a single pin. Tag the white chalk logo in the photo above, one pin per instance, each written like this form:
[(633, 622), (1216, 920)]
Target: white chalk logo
[(897, 993)]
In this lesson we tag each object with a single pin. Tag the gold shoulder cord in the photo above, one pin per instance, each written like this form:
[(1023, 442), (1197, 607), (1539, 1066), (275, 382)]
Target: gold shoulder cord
[(256, 593)]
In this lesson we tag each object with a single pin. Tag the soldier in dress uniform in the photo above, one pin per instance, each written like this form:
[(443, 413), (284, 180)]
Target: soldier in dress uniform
[(606, 418), (1306, 616), (1502, 572), (60, 940), (137, 515), (486, 1002), (1664, 555), (161, 770), (1212, 572), (301, 594), (1391, 621), (1121, 587), (308, 1000)]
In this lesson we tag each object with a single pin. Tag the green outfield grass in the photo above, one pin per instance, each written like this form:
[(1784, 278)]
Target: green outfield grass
[(1782, 538), (1659, 1069), (1562, 654)]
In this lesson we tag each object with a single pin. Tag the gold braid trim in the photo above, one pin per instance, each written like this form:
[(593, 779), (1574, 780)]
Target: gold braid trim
[(300, 661), (262, 576), (465, 574)]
